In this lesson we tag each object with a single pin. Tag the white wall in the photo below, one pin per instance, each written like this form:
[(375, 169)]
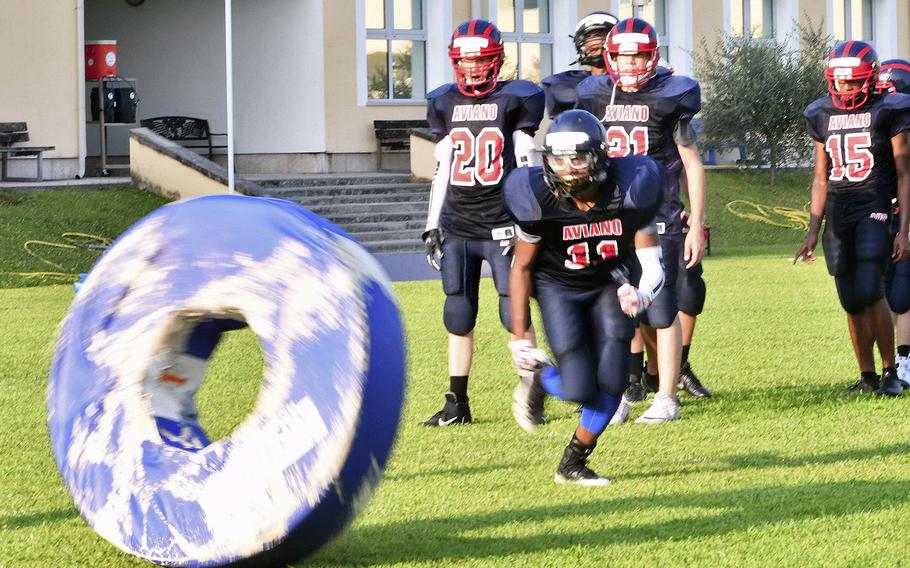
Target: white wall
[(175, 48), (279, 80)]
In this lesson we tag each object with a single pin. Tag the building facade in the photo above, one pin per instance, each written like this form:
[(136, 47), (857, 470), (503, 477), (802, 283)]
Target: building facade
[(310, 76)]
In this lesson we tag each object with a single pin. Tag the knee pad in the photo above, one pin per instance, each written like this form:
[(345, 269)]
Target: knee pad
[(860, 289), (613, 368), (460, 279), (459, 314), (691, 289), (663, 310)]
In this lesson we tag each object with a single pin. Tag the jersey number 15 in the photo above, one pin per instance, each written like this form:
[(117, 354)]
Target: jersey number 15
[(850, 156)]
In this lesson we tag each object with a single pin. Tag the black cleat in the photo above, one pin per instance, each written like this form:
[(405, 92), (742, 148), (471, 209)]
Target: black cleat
[(453, 412), (689, 382), (890, 385), (573, 468), (527, 402), (649, 381), (864, 385), (634, 392)]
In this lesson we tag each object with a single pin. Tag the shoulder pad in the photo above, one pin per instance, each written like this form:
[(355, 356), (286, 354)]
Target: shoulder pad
[(814, 107), (899, 101), (680, 87), (439, 91), (594, 85), (519, 195), (642, 179), (521, 88)]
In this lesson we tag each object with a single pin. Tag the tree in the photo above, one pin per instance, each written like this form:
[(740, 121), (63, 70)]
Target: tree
[(755, 91)]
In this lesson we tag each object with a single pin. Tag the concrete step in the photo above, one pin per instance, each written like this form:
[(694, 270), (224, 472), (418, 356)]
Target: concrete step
[(375, 217), (367, 190), (393, 246), (391, 235), (416, 224), (317, 180), (329, 210), (410, 197)]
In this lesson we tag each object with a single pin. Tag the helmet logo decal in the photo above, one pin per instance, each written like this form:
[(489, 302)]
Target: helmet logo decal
[(565, 142), (470, 46)]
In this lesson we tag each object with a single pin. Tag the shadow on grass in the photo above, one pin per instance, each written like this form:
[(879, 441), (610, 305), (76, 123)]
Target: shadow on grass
[(710, 514), (760, 460), (12, 522), (446, 472)]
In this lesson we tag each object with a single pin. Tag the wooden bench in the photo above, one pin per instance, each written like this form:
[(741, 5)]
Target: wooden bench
[(14, 133), (187, 131), (395, 135)]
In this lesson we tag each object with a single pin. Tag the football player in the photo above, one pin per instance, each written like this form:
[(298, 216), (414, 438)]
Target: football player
[(648, 110), (861, 156), (581, 219), (590, 34), (895, 78), (485, 128)]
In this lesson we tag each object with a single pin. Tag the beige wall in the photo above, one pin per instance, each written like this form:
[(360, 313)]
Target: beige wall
[(349, 127), (154, 171), (39, 74)]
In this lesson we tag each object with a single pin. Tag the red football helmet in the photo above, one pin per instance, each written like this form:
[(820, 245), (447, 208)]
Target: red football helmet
[(630, 37), (477, 53), (851, 61)]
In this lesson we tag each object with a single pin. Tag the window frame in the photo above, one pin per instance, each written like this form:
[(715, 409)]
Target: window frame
[(389, 34), (520, 36), (663, 37), (770, 20)]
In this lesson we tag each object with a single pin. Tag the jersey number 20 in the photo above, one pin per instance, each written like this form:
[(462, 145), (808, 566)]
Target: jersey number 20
[(485, 150), (850, 156), (580, 254)]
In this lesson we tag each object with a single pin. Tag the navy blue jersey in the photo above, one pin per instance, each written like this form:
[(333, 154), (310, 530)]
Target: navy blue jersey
[(651, 121), (559, 90), (858, 143), (481, 131), (581, 248)]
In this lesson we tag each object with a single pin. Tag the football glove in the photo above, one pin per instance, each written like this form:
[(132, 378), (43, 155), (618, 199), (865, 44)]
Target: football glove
[(632, 300), (526, 357), (432, 240)]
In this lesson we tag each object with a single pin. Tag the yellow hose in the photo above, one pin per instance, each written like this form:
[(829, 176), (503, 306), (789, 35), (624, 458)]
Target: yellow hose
[(785, 217)]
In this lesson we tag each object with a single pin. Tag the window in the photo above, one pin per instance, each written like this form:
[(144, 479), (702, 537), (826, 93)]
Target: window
[(655, 13), (752, 18), (852, 19), (525, 27), (396, 42)]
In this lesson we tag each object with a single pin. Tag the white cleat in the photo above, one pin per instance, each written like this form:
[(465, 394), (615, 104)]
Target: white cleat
[(622, 412), (903, 370), (663, 409)]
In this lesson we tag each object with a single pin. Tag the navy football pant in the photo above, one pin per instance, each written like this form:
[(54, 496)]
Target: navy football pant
[(461, 262), (662, 312), (857, 255), (590, 338)]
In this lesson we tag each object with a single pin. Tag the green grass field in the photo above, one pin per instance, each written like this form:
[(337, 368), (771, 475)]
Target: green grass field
[(780, 468)]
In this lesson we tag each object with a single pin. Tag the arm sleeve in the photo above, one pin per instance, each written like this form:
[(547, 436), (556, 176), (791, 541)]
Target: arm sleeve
[(900, 115), (443, 154), (811, 125), (652, 271), (435, 120), (689, 105), (531, 111), (525, 149)]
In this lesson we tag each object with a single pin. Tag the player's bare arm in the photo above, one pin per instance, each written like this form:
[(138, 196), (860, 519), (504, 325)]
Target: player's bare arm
[(520, 284), (695, 183), (816, 205), (901, 150)]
